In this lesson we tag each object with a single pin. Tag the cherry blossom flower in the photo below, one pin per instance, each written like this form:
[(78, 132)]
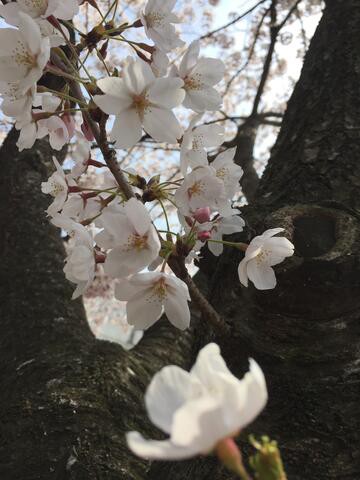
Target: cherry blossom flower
[(32, 129), (39, 9), (202, 188), (23, 53), (132, 238), (200, 75), (195, 142), (199, 409), (149, 295), (264, 252), (79, 208), (157, 19), (57, 130), (17, 103), (139, 99), (80, 263), (57, 187), (228, 171)]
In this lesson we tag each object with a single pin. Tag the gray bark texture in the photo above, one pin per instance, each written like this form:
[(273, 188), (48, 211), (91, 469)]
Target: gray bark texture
[(67, 399)]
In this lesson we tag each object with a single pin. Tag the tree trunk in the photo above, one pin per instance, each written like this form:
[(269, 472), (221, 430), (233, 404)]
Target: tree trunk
[(65, 411)]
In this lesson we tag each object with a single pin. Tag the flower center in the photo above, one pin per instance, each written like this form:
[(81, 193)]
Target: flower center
[(193, 82), (37, 7), (196, 189), (155, 19), (160, 290), (137, 242), (262, 256), (222, 173), (56, 188), (23, 57), (141, 104), (198, 142)]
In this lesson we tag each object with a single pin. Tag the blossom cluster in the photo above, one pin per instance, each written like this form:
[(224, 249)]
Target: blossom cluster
[(110, 226)]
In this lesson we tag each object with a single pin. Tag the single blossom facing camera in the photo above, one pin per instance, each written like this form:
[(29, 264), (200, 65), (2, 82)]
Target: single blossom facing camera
[(149, 295), (264, 252)]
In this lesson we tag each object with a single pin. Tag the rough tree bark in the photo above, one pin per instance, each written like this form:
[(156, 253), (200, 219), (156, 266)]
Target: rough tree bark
[(64, 412)]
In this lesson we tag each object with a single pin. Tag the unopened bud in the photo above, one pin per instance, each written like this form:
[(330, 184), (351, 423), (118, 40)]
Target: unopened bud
[(202, 215), (229, 454), (203, 236)]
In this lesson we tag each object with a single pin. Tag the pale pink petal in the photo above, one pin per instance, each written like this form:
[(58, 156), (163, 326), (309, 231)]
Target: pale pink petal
[(262, 275), (162, 125), (167, 92), (126, 130), (242, 272), (168, 391), (190, 58), (143, 310), (211, 70), (138, 76), (177, 310), (138, 215), (157, 450), (125, 289), (206, 98), (30, 31)]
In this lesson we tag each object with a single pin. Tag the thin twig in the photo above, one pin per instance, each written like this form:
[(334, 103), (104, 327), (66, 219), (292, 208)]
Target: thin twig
[(235, 20), (251, 51)]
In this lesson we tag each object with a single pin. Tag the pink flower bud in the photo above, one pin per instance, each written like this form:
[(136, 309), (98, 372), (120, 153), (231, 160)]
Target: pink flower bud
[(229, 454), (203, 236), (202, 215)]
